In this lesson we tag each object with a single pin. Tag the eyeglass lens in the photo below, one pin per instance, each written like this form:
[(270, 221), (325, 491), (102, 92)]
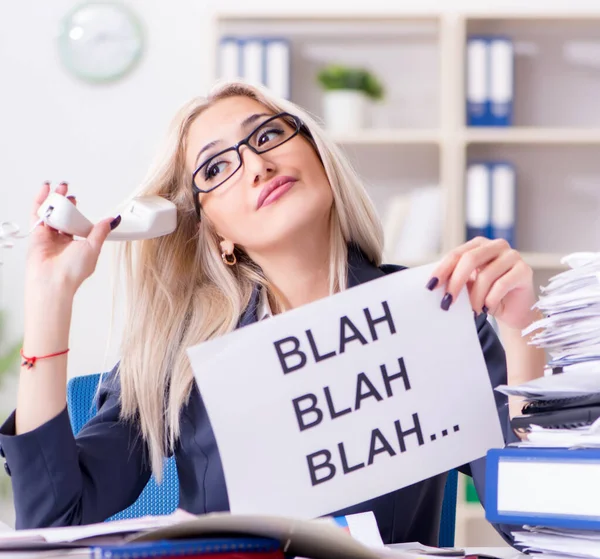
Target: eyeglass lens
[(221, 167)]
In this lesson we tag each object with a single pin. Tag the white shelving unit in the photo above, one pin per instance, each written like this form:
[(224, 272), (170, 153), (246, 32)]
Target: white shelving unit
[(532, 135), (418, 135), (396, 136)]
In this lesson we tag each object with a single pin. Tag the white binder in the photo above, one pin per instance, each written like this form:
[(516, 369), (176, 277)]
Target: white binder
[(501, 58), (253, 61), (478, 201), (503, 202), (229, 59), (277, 61), (477, 86)]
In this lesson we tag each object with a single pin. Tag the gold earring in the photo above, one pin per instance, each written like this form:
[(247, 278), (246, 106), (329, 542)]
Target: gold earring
[(227, 254), (229, 259)]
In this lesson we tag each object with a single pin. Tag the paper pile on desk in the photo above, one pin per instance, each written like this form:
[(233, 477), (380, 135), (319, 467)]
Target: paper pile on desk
[(571, 303), (570, 333), (321, 538), (560, 543)]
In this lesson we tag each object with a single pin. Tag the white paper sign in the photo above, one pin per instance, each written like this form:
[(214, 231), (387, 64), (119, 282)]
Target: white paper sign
[(347, 398)]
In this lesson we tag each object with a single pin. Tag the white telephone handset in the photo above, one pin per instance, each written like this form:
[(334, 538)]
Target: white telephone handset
[(145, 217)]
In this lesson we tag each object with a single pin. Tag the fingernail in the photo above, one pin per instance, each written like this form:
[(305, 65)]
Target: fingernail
[(431, 284), (446, 301), (64, 183), (71, 197), (115, 222), (47, 183), (485, 309)]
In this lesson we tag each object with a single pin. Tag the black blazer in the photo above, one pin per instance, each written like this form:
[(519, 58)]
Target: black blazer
[(59, 479)]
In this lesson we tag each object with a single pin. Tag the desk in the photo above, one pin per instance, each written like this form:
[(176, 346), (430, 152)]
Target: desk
[(500, 552)]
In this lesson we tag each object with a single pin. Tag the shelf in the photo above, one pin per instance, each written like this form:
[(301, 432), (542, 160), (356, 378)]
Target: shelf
[(537, 260), (346, 15), (533, 135), (544, 261), (392, 136)]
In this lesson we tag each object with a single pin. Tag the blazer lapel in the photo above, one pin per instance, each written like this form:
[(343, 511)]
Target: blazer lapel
[(360, 269)]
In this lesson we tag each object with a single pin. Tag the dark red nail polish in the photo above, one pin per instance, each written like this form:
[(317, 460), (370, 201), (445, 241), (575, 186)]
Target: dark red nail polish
[(485, 309), (432, 283), (115, 222), (446, 301)]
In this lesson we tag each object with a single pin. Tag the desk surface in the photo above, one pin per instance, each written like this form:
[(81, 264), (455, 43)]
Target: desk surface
[(500, 552)]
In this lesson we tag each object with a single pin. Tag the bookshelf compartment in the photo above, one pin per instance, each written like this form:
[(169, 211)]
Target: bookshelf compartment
[(556, 68), (558, 197), (403, 54), (387, 170), (404, 183)]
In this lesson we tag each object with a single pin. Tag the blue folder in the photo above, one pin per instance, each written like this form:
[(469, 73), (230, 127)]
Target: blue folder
[(169, 548), (495, 457)]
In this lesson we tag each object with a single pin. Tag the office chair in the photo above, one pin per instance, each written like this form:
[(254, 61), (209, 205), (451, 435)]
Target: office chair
[(155, 499), (163, 499)]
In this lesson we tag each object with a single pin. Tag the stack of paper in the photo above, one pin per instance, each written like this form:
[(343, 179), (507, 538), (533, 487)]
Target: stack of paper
[(560, 543), (562, 410), (571, 303)]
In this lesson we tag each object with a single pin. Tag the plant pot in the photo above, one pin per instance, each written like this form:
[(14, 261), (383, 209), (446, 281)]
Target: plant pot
[(344, 110)]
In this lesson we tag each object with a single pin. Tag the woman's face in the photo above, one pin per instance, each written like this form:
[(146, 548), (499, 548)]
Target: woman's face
[(275, 196)]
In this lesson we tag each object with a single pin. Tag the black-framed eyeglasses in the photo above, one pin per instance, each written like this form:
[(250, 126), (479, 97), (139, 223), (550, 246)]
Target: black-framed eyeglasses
[(219, 168)]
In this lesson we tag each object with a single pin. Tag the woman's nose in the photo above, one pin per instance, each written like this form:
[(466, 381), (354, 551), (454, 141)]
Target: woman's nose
[(255, 164)]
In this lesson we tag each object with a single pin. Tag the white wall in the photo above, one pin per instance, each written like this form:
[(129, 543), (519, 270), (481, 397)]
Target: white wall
[(102, 138), (98, 138)]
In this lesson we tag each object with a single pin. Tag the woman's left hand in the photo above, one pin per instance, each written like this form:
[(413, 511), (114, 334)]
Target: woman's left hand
[(498, 280)]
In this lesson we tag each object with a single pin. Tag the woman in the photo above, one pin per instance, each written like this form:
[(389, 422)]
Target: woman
[(270, 217)]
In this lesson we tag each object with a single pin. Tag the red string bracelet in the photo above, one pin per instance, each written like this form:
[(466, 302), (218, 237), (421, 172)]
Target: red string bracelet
[(29, 362)]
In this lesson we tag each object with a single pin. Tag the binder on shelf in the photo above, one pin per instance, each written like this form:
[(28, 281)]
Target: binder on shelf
[(503, 200), (253, 67), (552, 487), (230, 63), (478, 201), (501, 66), (477, 86), (277, 66), (257, 60), (490, 81)]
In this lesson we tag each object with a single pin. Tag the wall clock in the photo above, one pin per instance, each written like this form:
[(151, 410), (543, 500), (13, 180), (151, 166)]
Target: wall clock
[(100, 41)]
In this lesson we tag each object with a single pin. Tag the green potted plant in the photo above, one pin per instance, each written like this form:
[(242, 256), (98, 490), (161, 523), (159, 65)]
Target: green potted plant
[(346, 92)]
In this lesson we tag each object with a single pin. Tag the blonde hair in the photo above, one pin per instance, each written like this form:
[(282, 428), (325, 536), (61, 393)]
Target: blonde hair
[(178, 291)]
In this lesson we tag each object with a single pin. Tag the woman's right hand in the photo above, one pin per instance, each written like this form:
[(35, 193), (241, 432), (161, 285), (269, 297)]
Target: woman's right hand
[(55, 259)]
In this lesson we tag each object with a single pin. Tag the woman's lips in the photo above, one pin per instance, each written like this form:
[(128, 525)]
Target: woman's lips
[(274, 190)]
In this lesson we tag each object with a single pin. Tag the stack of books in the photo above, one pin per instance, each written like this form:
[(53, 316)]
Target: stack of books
[(549, 483)]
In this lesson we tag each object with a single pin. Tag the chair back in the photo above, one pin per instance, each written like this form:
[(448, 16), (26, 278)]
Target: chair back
[(155, 499)]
